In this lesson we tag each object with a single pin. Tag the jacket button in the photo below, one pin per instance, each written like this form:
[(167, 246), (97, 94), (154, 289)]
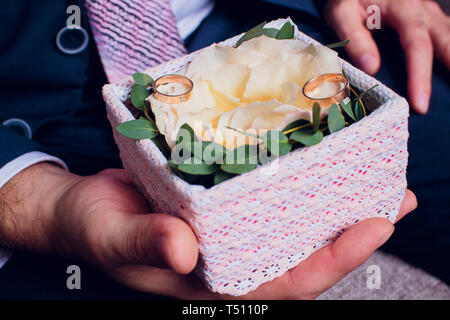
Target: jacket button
[(21, 126), (72, 40)]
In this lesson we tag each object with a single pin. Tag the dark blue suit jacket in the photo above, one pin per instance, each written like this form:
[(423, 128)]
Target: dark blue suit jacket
[(48, 89)]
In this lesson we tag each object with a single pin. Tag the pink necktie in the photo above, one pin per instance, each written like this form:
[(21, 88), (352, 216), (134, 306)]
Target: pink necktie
[(133, 35)]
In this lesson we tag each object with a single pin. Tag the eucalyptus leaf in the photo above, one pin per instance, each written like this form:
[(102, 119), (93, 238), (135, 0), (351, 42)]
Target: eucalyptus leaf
[(138, 95), (196, 167), (255, 33), (359, 113), (347, 107), (277, 143), (221, 176), (185, 134), (307, 136), (138, 129), (241, 160), (316, 116), (214, 153), (295, 124), (237, 168), (337, 44), (143, 79), (286, 31), (259, 26), (184, 144), (336, 120), (207, 151)]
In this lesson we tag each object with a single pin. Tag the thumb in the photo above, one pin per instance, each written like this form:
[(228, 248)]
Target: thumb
[(330, 264), (157, 240), (346, 18)]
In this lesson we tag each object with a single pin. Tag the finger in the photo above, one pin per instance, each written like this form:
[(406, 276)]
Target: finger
[(407, 19), (439, 26), (409, 204), (330, 264), (151, 239), (346, 19), (163, 282)]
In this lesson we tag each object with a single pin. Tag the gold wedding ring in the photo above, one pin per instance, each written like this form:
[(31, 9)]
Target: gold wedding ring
[(326, 101), (176, 98)]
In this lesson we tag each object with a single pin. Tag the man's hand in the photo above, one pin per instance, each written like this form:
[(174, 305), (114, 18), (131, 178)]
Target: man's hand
[(422, 27), (105, 220)]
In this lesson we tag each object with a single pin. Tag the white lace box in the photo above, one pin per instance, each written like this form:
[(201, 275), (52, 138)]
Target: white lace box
[(254, 227)]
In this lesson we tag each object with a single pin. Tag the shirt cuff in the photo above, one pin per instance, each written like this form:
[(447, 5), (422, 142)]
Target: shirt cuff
[(9, 170)]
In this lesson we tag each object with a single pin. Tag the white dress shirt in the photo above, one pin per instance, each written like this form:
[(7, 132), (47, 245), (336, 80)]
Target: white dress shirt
[(188, 14)]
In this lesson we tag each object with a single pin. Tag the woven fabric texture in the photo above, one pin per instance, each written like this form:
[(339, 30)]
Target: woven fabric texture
[(254, 227)]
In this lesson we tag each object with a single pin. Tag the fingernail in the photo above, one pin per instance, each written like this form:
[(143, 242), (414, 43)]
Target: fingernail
[(368, 62), (423, 102), (385, 237)]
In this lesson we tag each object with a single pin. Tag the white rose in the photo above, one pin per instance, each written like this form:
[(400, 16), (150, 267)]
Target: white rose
[(256, 86)]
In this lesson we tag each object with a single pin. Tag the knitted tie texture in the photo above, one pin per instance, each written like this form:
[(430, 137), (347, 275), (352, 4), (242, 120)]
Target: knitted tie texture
[(133, 35)]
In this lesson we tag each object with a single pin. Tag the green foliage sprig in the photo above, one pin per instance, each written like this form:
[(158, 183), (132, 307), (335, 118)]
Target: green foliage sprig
[(285, 32), (144, 127)]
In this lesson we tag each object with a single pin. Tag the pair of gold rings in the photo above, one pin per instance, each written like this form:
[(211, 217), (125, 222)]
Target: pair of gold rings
[(307, 89)]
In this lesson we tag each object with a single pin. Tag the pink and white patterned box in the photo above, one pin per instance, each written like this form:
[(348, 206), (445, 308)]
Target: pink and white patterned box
[(254, 227)]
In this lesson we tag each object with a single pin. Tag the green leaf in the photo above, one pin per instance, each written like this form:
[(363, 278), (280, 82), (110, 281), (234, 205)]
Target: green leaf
[(143, 79), (295, 124), (221, 176), (213, 152), (362, 95), (138, 95), (241, 159), (337, 44), (316, 116), (255, 33), (359, 113), (286, 31), (138, 129), (347, 107), (259, 26), (237, 168), (185, 134), (277, 143), (307, 136), (184, 143), (196, 167), (335, 119), (207, 151)]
